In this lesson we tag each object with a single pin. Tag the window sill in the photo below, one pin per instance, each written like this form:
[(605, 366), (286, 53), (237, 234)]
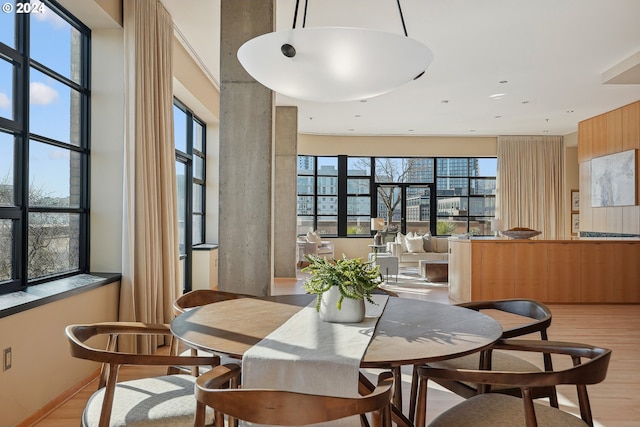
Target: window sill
[(37, 295), (205, 247)]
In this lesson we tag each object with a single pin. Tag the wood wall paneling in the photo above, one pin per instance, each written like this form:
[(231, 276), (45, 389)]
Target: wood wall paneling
[(631, 126), (563, 274), (613, 138), (597, 272), (599, 145), (626, 262), (531, 270), (586, 222), (584, 140), (497, 268)]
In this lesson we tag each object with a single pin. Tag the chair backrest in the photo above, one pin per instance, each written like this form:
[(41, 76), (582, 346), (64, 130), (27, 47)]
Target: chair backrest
[(590, 366), (199, 297), (286, 408), (112, 359), (536, 310)]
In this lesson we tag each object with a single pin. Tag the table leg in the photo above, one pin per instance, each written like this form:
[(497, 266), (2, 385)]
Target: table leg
[(365, 387)]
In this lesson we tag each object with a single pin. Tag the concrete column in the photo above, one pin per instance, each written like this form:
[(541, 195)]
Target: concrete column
[(285, 198), (246, 155)]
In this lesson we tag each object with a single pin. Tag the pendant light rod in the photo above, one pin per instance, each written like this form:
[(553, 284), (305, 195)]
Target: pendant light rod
[(304, 16), (404, 27)]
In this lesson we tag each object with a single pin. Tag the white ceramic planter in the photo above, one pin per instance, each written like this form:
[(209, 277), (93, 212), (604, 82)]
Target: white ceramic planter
[(352, 310)]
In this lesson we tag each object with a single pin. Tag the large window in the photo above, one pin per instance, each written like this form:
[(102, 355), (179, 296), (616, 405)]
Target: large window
[(44, 145), (339, 195), (190, 144)]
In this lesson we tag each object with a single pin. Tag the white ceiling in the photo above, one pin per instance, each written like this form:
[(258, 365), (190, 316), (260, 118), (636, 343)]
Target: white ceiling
[(551, 54)]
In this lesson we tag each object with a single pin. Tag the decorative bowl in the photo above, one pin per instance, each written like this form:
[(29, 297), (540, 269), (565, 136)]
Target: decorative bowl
[(520, 234)]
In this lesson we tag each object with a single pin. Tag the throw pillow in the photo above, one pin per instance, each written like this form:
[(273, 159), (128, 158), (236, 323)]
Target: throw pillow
[(426, 242), (415, 244), (442, 245), (401, 238), (314, 237)]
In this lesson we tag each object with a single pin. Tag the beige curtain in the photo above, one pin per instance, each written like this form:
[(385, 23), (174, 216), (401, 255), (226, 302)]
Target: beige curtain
[(150, 276), (530, 184)]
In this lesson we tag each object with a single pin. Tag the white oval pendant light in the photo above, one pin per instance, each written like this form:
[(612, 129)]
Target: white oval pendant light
[(331, 64)]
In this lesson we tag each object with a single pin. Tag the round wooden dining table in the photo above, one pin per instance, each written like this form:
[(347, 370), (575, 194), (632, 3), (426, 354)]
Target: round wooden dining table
[(408, 332)]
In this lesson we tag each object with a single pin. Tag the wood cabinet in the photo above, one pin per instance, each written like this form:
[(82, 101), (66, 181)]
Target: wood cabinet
[(552, 271)]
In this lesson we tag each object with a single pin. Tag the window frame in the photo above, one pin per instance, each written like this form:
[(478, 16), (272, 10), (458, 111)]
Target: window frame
[(404, 183), (18, 128)]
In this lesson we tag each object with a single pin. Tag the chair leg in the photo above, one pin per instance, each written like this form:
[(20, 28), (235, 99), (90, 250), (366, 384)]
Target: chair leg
[(414, 393)]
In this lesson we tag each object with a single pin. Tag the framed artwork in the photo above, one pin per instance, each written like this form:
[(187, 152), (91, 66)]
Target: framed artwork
[(613, 179), (575, 223), (575, 200)]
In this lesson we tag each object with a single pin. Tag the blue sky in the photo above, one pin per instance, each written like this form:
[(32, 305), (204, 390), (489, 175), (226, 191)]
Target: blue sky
[(49, 100)]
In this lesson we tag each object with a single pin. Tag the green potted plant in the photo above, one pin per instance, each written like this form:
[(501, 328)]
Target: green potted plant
[(342, 285)]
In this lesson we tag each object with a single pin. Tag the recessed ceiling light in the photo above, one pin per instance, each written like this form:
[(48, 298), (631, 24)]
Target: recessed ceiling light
[(444, 101), (569, 111), (546, 131), (525, 102), (351, 130), (496, 96), (310, 118), (497, 117), (364, 100), (503, 81), (410, 130), (472, 130), (358, 115)]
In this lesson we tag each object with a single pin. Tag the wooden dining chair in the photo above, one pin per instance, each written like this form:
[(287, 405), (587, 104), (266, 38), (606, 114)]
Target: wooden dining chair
[(589, 366), (154, 401), (217, 389), (533, 317), (193, 299)]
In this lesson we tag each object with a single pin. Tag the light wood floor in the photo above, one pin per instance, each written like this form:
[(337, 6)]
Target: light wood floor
[(615, 402)]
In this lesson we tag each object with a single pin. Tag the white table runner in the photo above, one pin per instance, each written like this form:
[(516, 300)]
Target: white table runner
[(306, 354)]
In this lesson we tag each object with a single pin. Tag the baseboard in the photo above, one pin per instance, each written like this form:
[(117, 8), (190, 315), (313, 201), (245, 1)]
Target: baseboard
[(60, 400)]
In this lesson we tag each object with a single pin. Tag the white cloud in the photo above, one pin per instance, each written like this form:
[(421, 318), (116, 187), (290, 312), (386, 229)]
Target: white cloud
[(48, 16), (5, 102), (41, 94)]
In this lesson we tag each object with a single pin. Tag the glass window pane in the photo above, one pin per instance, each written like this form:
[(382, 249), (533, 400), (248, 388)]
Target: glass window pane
[(404, 170), (54, 109), (198, 136), (181, 170), (304, 224), (198, 167), (456, 166), (358, 166), (6, 170), (449, 226), (484, 167), (197, 234), (197, 198), (328, 205), (359, 205), (328, 166), (328, 225), (306, 205), (453, 186), (56, 44), (6, 249), (482, 206), (54, 241), (54, 176), (480, 226), (453, 206), (306, 165), (8, 25), (358, 186), (180, 129), (358, 225), (483, 186), (6, 88), (327, 185), (305, 185)]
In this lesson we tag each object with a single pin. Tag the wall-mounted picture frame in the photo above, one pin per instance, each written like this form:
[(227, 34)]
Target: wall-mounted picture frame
[(575, 200), (575, 223)]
